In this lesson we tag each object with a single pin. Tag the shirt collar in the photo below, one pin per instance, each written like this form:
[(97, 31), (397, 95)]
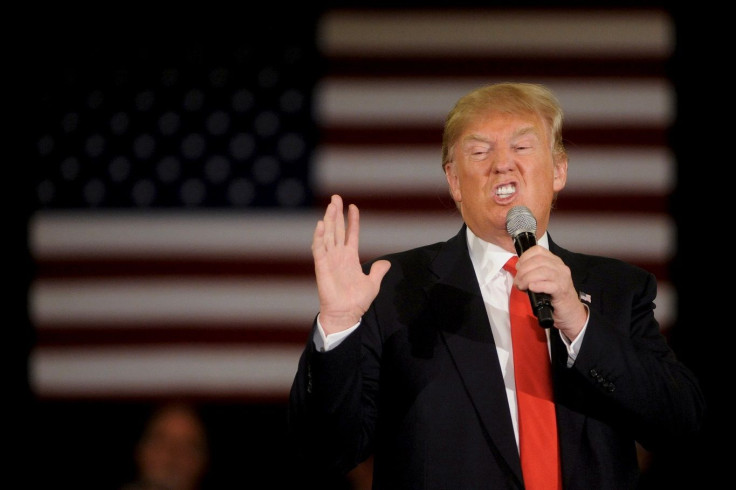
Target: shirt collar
[(489, 258)]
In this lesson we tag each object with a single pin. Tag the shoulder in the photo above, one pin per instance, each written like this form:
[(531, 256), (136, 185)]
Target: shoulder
[(598, 262), (412, 261), (609, 270), (429, 255), (425, 264)]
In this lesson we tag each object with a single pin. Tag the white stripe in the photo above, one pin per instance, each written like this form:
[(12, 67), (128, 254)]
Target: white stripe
[(281, 235), (383, 171), (666, 304), (161, 233), (378, 170), (184, 301), (257, 370), (422, 101), (161, 370), (628, 170), (627, 237), (504, 32), (136, 303)]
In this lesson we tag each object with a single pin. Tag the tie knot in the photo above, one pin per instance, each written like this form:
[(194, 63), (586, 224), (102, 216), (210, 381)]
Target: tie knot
[(510, 265)]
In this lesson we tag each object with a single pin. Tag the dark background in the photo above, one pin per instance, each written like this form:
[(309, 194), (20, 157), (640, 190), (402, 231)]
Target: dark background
[(88, 444)]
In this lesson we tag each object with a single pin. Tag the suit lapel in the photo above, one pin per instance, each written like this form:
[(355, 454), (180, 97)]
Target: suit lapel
[(465, 329)]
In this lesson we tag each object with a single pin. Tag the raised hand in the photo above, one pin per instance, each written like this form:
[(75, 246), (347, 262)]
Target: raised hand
[(345, 292)]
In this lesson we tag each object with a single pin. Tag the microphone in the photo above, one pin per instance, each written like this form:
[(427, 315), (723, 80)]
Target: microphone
[(522, 226)]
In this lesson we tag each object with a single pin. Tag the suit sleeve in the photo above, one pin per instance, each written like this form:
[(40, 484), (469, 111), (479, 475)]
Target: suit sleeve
[(626, 372), (330, 404)]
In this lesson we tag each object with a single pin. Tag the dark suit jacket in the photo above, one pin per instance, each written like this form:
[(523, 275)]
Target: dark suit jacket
[(418, 384)]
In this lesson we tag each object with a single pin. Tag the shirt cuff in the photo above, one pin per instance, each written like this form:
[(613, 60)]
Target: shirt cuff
[(573, 347), (324, 343)]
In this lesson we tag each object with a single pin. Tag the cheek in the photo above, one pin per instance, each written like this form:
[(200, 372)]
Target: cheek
[(547, 178)]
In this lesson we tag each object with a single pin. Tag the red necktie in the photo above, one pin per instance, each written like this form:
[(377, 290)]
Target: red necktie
[(540, 460)]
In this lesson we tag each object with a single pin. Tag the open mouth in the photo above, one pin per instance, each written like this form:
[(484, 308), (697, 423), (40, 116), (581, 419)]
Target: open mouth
[(506, 190)]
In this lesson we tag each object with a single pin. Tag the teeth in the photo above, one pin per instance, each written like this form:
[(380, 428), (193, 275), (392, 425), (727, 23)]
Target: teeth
[(505, 190)]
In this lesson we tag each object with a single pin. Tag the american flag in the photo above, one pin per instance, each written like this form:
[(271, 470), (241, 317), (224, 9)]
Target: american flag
[(178, 180)]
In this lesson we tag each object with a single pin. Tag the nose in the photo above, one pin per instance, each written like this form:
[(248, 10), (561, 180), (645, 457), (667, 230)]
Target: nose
[(503, 160)]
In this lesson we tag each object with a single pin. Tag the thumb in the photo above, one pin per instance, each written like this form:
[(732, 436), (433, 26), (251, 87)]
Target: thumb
[(378, 270)]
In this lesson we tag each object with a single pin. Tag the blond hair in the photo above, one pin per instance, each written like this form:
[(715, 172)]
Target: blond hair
[(508, 97)]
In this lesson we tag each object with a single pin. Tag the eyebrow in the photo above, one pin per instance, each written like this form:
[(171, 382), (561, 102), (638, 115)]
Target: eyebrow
[(526, 130), (475, 137)]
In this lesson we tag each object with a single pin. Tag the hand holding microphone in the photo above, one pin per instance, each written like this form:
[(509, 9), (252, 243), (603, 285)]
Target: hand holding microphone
[(522, 226)]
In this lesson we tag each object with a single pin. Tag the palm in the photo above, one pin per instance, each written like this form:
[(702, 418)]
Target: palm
[(345, 292)]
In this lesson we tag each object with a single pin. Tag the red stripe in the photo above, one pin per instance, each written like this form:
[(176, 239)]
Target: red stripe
[(70, 268), (483, 66), (77, 267), (133, 394), (614, 135)]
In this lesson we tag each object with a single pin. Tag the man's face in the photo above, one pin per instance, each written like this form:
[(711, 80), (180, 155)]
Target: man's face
[(173, 452), (500, 161)]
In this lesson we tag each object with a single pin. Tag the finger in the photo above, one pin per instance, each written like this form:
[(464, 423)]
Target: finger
[(318, 238), (329, 220), (353, 231), (339, 220)]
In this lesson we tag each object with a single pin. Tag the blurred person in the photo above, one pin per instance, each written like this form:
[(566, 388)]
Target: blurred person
[(413, 364), (173, 451)]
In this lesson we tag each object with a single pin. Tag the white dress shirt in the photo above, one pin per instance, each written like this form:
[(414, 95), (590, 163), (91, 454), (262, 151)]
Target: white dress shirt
[(495, 286)]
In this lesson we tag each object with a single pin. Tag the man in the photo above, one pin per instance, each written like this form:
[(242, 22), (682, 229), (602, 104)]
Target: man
[(410, 359), (172, 452)]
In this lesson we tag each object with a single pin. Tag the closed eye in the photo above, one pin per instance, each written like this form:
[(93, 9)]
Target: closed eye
[(523, 148)]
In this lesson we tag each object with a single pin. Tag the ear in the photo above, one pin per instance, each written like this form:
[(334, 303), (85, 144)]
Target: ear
[(453, 181), (560, 172)]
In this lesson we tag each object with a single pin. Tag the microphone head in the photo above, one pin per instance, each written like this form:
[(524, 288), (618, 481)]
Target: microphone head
[(520, 219)]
